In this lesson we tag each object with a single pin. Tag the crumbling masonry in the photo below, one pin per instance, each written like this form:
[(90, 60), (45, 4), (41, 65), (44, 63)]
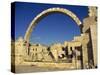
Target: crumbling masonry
[(81, 52)]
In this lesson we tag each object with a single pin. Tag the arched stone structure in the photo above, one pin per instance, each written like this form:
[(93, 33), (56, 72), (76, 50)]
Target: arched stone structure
[(47, 12)]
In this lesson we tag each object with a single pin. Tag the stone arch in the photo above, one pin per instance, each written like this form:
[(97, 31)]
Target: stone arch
[(47, 12)]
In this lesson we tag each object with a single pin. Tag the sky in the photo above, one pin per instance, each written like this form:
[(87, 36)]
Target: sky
[(54, 28)]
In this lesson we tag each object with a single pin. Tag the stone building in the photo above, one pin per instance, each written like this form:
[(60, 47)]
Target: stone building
[(18, 51), (39, 52), (90, 28), (57, 51)]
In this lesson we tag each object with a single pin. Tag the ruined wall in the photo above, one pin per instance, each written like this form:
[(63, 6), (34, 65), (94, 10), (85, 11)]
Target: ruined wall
[(90, 27), (18, 52), (39, 53), (23, 53)]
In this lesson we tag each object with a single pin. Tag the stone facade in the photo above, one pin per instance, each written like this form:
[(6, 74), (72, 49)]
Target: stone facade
[(64, 53), (39, 53), (18, 51), (90, 28)]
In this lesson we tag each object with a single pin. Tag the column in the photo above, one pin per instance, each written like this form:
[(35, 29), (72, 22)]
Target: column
[(85, 56), (93, 30)]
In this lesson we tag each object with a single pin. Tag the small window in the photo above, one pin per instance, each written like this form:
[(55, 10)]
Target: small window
[(70, 48), (36, 49), (24, 44)]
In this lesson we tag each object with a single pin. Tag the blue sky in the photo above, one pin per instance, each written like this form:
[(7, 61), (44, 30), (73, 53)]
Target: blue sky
[(53, 28)]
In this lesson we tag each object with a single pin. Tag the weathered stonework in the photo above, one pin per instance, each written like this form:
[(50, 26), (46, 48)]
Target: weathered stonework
[(80, 53), (47, 12), (39, 53), (18, 52), (90, 27)]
